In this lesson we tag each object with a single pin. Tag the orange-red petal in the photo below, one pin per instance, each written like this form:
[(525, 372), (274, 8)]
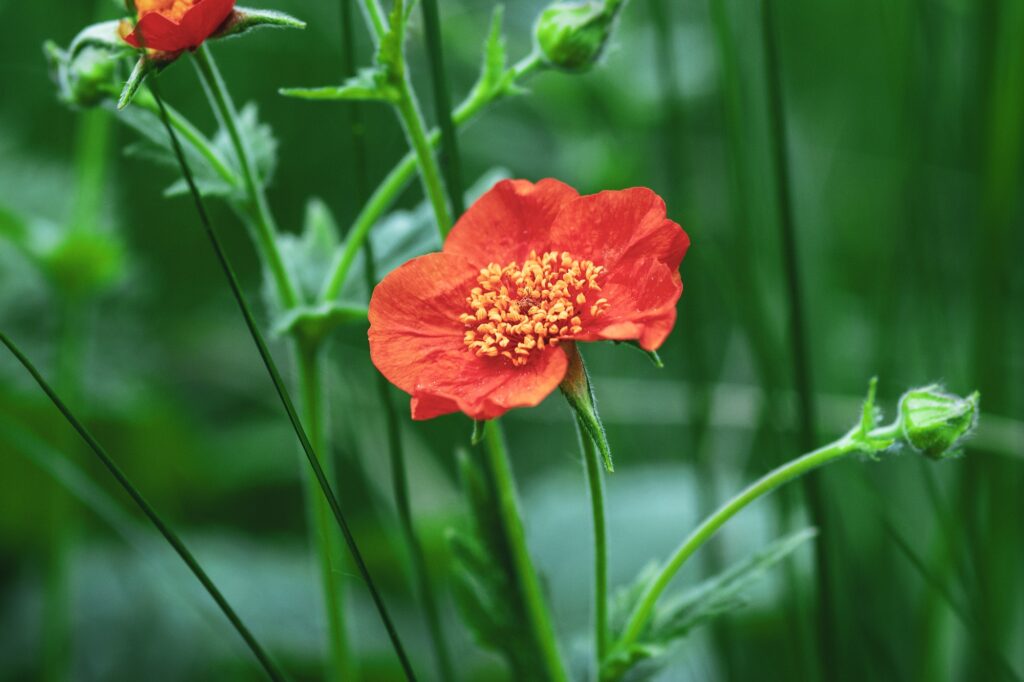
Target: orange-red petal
[(416, 341), (614, 226), (154, 31), (642, 296), (510, 220)]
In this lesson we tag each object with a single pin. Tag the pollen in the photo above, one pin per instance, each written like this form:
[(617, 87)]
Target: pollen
[(519, 309), (172, 9)]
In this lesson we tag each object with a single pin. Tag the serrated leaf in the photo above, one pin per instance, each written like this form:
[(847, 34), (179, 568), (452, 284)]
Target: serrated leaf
[(369, 85), (245, 19), (484, 580), (495, 76), (308, 255), (679, 616), (260, 140)]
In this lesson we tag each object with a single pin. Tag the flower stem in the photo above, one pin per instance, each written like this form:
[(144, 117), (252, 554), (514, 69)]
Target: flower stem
[(443, 106), (310, 364), (399, 476), (285, 397), (165, 530), (408, 109), (395, 181), (263, 220), (595, 480), (526, 574), (787, 472)]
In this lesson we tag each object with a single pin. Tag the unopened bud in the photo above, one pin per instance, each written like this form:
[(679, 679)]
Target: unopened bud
[(934, 422), (572, 35)]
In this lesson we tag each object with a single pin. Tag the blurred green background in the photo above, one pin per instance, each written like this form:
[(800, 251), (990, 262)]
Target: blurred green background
[(897, 141)]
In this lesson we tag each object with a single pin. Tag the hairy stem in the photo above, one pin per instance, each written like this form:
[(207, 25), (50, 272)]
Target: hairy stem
[(310, 365), (397, 180), (595, 481), (526, 575), (263, 220), (777, 477)]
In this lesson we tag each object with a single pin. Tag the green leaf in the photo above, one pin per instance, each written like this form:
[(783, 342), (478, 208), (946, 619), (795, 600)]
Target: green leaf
[(495, 76), (308, 256), (677, 617), (245, 19), (12, 226), (483, 580), (652, 355), (371, 84), (317, 321)]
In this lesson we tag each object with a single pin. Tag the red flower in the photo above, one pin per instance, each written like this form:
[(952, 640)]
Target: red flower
[(478, 328), (175, 25)]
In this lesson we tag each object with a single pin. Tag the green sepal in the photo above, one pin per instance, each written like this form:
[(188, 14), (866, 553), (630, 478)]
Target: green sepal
[(652, 355), (579, 393), (138, 76), (245, 19), (478, 432)]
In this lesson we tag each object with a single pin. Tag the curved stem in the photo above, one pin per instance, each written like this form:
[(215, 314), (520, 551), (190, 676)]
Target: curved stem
[(396, 181), (310, 364), (595, 481), (769, 482), (529, 582), (266, 228), (165, 530)]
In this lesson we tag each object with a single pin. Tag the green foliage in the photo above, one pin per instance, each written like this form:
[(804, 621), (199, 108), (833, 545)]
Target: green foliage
[(677, 617), (210, 180), (484, 581), (496, 79)]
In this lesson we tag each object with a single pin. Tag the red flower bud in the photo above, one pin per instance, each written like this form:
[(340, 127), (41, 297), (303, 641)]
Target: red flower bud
[(172, 26)]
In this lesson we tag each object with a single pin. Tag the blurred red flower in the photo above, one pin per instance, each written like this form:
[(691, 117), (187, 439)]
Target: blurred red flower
[(479, 327), (175, 25)]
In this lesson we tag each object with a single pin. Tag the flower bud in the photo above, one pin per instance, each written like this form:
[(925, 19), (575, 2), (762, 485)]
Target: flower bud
[(89, 72), (572, 35), (934, 422)]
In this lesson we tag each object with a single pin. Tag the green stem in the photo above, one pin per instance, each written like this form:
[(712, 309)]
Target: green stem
[(408, 109), (396, 181), (310, 364), (443, 106), (430, 173), (787, 472), (165, 530), (526, 574), (595, 481), (285, 396), (263, 220)]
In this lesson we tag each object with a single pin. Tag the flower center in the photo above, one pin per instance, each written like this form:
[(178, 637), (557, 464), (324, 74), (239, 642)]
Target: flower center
[(172, 9), (519, 309)]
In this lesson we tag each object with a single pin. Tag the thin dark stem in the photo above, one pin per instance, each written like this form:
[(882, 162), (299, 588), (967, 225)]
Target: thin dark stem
[(282, 391), (797, 328), (396, 452), (165, 530), (450, 160)]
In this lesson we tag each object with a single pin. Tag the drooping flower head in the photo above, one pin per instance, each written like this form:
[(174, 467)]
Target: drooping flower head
[(172, 26), (481, 327)]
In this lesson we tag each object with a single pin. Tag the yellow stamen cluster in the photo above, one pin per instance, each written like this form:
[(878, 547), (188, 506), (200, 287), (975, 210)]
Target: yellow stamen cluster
[(172, 9), (518, 309)]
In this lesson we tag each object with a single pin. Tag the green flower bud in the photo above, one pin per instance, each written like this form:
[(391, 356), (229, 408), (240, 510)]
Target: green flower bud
[(572, 35), (89, 72), (935, 422)]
